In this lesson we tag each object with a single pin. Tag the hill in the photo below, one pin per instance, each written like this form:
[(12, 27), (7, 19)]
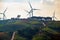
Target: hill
[(32, 29)]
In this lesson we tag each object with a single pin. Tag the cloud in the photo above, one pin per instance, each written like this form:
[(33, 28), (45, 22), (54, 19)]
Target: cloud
[(19, 0), (49, 2), (12, 0)]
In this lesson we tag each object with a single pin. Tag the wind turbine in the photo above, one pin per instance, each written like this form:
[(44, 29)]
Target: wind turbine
[(53, 17), (4, 14), (31, 11)]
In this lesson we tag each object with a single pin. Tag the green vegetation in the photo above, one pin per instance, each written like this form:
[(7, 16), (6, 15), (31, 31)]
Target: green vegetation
[(32, 30), (17, 37), (50, 30), (39, 37)]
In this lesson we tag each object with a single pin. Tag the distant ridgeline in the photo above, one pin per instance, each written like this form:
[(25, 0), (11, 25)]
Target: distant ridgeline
[(41, 18), (36, 18), (30, 18)]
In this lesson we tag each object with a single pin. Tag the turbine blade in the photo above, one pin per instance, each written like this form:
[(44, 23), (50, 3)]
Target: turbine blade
[(36, 9), (26, 11), (30, 5), (1, 13), (28, 14), (4, 15), (5, 10)]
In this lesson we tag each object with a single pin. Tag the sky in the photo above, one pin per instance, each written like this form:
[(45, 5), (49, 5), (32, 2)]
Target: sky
[(17, 7)]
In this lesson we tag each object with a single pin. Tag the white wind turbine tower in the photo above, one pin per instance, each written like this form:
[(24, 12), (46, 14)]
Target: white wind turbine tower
[(53, 17), (30, 13), (4, 16)]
